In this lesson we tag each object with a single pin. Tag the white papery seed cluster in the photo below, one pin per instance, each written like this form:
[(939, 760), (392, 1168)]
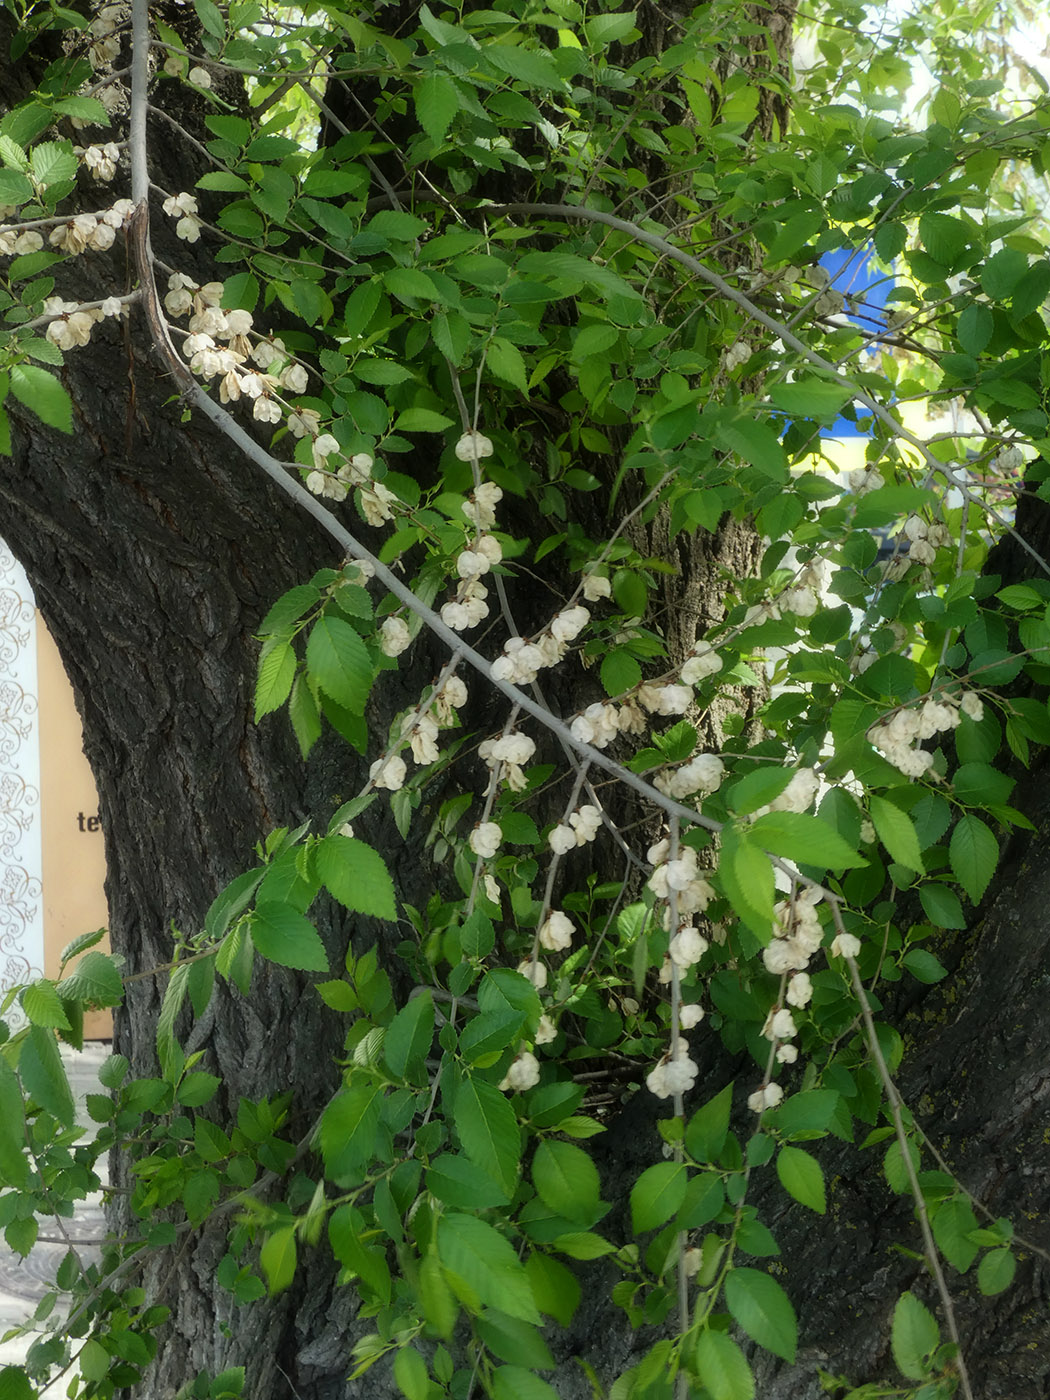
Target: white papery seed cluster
[(513, 750), (72, 324), (896, 737), (676, 1073)]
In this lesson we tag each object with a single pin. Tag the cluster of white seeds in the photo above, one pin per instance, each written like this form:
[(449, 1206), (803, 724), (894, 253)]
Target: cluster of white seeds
[(896, 736)]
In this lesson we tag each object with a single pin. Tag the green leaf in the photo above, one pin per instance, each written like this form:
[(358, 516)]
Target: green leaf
[(980, 785), (811, 398), (620, 672), (801, 1177), (594, 340), (755, 442), (583, 1244), (277, 666), (408, 1037), (200, 1193), (21, 1234), (368, 1262), (40, 391), (914, 1337), (211, 18), (705, 1133), (285, 936), (240, 292), (888, 503), (338, 660), (477, 937), (411, 284), (505, 361), (396, 224), (170, 1057), (923, 965), (974, 328), (945, 238), (15, 188), (609, 29), (94, 1361), (942, 906), (411, 1374), (704, 1198), (747, 879), (437, 102), (232, 901), (43, 1075), (515, 1341), (953, 1222), (657, 1195), (210, 1140), (309, 300), (438, 1305), (43, 1006), (290, 607), (356, 876), (383, 372), (85, 109), (996, 1271), (486, 1262), (761, 1307), (524, 65), (578, 272), (722, 1368), (94, 981), (806, 839), (459, 1182), (13, 155), (197, 1089), (974, 854), (14, 1165), (567, 1181), (502, 989), (422, 420), (53, 163), (515, 1383), (1030, 292), (348, 1129), (304, 715), (896, 832), (1002, 272), (278, 1259), (80, 943), (555, 1288), (758, 788), (488, 1131), (808, 1112), (451, 334)]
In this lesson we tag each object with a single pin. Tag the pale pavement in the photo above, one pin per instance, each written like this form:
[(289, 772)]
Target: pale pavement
[(23, 1282)]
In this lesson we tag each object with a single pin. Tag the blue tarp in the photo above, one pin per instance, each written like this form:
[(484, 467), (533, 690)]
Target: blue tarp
[(854, 274)]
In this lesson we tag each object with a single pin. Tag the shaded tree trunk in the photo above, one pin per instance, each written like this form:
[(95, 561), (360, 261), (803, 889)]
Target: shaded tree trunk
[(154, 553), (153, 568)]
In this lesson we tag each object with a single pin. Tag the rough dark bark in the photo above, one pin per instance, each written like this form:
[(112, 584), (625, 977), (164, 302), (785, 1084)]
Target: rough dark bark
[(153, 570), (154, 552), (975, 1076)]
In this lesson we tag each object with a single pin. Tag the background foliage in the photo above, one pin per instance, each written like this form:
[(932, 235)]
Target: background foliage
[(534, 298)]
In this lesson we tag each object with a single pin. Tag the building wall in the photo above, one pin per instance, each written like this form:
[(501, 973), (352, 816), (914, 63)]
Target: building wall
[(52, 866)]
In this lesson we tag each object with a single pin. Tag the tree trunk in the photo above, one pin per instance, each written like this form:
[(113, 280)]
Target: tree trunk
[(153, 567), (154, 552)]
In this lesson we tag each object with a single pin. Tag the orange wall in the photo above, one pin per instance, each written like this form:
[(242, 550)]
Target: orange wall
[(71, 838)]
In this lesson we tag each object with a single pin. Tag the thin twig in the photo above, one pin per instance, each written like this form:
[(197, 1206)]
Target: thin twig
[(895, 1106)]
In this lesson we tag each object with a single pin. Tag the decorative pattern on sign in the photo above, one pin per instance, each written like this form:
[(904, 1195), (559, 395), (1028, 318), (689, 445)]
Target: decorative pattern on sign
[(21, 911)]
